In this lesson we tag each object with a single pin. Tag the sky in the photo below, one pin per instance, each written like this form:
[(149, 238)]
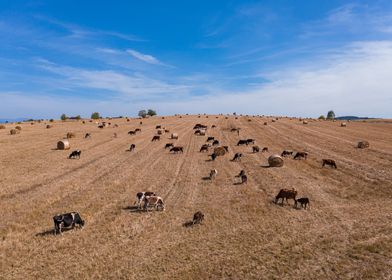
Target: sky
[(294, 58)]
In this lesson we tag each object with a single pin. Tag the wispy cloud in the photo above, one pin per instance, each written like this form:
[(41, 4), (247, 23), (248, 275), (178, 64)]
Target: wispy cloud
[(144, 57)]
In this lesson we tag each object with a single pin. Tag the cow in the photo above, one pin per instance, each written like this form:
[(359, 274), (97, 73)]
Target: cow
[(88, 135), (265, 149), (286, 153), (213, 174), (158, 127), (242, 172), (286, 194), (156, 138), (237, 157), (204, 148), (140, 197), (234, 129), (329, 162), (210, 138), (155, 201), (300, 155), (132, 147), (169, 145), (244, 179), (213, 126), (197, 132), (250, 141), (68, 220), (213, 156), (138, 130), (198, 218), (75, 154), (215, 143), (255, 149), (131, 132), (177, 149), (304, 201), (226, 148), (242, 142)]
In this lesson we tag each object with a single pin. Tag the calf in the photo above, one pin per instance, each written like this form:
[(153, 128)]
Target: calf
[(177, 149), (300, 155), (198, 218), (237, 157), (75, 154), (286, 194), (304, 201), (132, 147), (255, 149), (68, 220), (250, 141), (242, 142), (140, 197), (156, 138), (169, 145), (213, 174), (329, 162), (286, 153), (265, 149), (155, 201), (216, 142)]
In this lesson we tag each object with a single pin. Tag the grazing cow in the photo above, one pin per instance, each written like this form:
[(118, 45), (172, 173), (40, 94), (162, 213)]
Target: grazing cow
[(244, 179), (210, 138), (213, 156), (234, 129), (213, 126), (138, 130), (329, 162), (213, 174), (197, 132), (131, 132), (158, 127), (177, 149), (226, 148), (169, 145), (304, 201), (250, 141), (155, 201), (198, 218), (132, 147), (286, 194), (75, 154), (156, 138), (237, 157), (255, 149), (286, 153), (265, 149), (140, 197), (68, 220), (242, 142), (300, 155), (88, 135), (242, 173), (204, 148), (215, 143)]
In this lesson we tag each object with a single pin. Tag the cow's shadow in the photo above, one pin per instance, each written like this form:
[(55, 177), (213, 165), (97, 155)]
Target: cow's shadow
[(206, 178), (266, 166), (134, 209), (51, 231)]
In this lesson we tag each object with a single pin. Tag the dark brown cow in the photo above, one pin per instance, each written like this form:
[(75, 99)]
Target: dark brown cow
[(198, 218), (132, 147), (242, 142), (304, 201), (250, 141), (300, 155), (265, 149), (131, 132), (286, 153), (210, 138), (177, 149), (216, 142), (138, 130), (169, 145), (237, 157), (286, 194), (204, 148), (156, 138), (329, 162), (255, 149)]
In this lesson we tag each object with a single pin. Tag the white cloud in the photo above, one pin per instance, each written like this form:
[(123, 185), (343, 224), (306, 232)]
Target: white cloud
[(144, 57)]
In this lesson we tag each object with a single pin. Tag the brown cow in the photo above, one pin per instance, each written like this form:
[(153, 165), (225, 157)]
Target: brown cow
[(300, 155), (177, 149), (255, 149), (204, 148), (329, 162), (156, 138), (286, 153), (286, 194), (265, 149), (198, 217), (304, 201)]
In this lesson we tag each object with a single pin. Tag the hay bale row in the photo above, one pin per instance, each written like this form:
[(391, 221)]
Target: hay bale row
[(275, 161)]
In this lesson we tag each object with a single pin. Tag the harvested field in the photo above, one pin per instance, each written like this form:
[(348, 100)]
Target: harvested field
[(346, 234)]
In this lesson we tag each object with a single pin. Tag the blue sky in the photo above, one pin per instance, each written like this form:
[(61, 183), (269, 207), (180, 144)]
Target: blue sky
[(298, 58)]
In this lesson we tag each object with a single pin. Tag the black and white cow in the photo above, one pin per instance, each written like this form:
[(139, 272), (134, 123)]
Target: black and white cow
[(68, 220), (75, 154), (140, 197), (132, 147)]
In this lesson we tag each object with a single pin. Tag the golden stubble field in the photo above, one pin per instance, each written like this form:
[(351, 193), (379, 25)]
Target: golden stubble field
[(347, 233)]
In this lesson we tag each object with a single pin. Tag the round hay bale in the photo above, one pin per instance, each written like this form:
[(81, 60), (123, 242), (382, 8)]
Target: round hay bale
[(63, 145), (219, 151), (70, 135), (2, 126), (273, 120), (14, 131), (363, 144), (48, 126), (174, 136), (249, 120), (343, 124), (275, 161), (305, 122), (18, 127), (265, 123)]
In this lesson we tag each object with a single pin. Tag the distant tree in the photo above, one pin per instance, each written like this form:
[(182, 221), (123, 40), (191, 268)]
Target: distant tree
[(322, 117), (51, 120), (63, 117), (78, 117), (95, 116), (142, 113), (151, 112), (331, 115)]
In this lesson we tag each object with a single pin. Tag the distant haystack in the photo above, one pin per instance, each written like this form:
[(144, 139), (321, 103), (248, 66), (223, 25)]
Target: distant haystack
[(363, 144), (2, 126), (275, 161), (63, 145), (48, 126), (220, 151), (343, 124), (305, 122), (14, 131), (174, 136), (18, 127)]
